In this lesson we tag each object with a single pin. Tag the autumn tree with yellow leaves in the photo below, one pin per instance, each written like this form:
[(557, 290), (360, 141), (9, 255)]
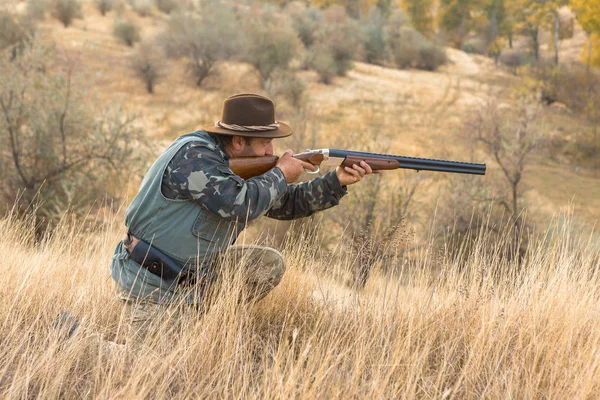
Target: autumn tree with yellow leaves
[(420, 13), (459, 17), (588, 16)]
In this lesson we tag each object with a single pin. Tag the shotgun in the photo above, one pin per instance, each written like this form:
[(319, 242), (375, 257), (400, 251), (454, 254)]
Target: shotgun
[(247, 167)]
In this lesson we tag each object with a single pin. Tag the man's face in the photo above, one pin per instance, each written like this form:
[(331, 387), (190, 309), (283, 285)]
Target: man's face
[(257, 147)]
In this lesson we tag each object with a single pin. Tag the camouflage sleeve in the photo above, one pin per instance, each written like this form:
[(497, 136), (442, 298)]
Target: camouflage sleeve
[(198, 172), (307, 198)]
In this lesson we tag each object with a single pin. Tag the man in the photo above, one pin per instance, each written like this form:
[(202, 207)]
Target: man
[(191, 207)]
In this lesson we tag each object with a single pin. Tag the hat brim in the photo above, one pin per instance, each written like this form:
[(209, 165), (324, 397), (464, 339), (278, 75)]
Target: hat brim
[(284, 130)]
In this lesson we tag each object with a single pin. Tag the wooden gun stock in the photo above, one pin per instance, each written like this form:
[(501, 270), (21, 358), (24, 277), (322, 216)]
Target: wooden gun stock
[(247, 167)]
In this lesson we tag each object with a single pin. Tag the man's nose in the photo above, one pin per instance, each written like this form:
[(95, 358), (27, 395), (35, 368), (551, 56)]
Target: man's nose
[(270, 150)]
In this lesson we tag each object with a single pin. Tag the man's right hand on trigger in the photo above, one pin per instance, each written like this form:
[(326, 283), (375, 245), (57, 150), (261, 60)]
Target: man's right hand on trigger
[(291, 167)]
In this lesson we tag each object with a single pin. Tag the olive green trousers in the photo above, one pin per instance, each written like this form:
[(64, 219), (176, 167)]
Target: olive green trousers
[(259, 268)]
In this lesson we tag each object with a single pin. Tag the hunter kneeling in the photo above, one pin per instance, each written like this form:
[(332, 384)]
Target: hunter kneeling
[(191, 207)]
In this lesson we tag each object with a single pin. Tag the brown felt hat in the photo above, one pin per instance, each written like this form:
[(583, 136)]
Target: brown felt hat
[(249, 115)]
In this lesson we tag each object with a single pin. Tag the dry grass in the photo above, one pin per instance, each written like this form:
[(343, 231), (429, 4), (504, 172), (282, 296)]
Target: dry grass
[(435, 327)]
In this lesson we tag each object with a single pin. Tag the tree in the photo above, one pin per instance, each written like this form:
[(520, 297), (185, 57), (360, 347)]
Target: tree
[(421, 14), (271, 43), (459, 17), (498, 26), (563, 28), (588, 16), (530, 17), (201, 41), (509, 140), (148, 64), (306, 21)]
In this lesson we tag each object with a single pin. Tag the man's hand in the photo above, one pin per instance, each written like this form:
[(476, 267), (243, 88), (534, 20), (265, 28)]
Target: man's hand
[(351, 175), (292, 167)]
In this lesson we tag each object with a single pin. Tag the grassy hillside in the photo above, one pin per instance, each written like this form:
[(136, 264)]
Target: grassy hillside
[(411, 112)]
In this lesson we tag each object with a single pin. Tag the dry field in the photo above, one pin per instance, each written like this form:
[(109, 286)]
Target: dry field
[(434, 327)]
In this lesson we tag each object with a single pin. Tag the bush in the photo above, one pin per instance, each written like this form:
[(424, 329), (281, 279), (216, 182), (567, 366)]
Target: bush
[(271, 43), (286, 84), (570, 85), (66, 11), (104, 6), (410, 49), (373, 217), (323, 63), (474, 46), (306, 22), (340, 37), (36, 9), (127, 32), (514, 60), (148, 64), (15, 33), (373, 37), (431, 57), (142, 7), (405, 47), (167, 6), (203, 42), (64, 152), (575, 90)]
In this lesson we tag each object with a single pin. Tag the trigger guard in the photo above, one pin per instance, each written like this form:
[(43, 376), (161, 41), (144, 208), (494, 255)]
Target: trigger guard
[(308, 171)]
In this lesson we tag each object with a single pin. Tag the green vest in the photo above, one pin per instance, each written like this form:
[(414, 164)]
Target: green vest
[(182, 229)]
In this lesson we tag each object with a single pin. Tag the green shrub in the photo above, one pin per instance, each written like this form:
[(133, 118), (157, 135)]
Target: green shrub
[(340, 36), (36, 9), (474, 46), (271, 43), (405, 47), (286, 84), (127, 32), (15, 33), (323, 63), (66, 11), (306, 20), (373, 36), (167, 6), (64, 151), (431, 57), (410, 49)]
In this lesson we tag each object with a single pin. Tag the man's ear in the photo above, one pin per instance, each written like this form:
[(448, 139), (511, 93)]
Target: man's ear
[(238, 143)]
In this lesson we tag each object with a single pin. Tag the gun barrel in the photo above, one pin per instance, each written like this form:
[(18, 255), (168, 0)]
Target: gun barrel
[(425, 164)]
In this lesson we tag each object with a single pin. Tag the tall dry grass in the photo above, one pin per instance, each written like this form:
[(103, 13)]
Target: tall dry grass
[(469, 326)]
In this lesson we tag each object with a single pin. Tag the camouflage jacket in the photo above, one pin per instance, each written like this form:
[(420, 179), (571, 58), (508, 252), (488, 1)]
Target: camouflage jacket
[(201, 174)]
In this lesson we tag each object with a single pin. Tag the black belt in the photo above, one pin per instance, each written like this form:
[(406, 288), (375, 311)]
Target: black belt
[(157, 262)]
